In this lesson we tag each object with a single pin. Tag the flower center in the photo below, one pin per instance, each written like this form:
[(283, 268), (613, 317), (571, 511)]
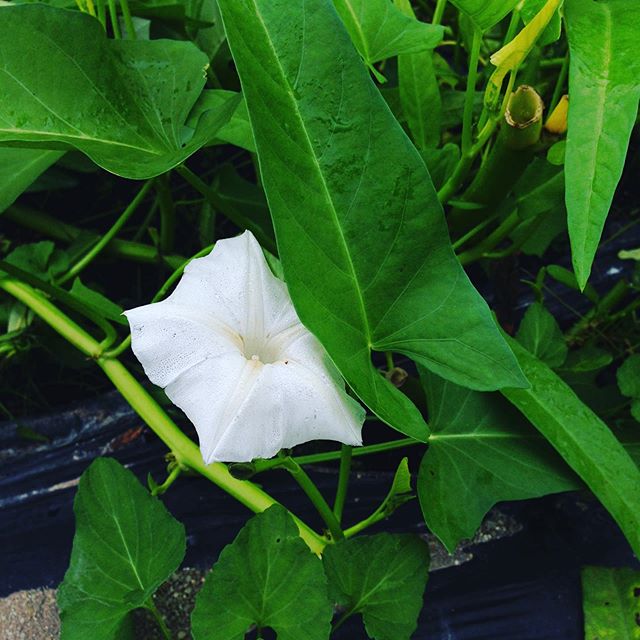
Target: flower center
[(261, 352)]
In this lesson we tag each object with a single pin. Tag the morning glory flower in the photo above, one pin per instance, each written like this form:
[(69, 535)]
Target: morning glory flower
[(229, 349)]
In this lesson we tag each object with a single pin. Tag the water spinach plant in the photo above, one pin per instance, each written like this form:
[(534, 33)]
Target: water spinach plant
[(334, 170)]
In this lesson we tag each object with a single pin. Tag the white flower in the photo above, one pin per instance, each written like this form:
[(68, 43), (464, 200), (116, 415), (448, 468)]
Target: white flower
[(229, 350)]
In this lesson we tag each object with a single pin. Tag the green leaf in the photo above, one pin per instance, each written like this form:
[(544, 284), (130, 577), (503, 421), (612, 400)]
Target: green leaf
[(604, 88), (481, 452), (211, 37), (629, 377), (539, 197), (568, 279), (126, 545), (268, 577), (238, 130), (611, 603), (360, 231), (540, 334), (19, 168), (485, 13), (42, 259), (586, 359), (98, 303), (125, 103), (382, 577), (582, 439), (379, 30), (419, 92)]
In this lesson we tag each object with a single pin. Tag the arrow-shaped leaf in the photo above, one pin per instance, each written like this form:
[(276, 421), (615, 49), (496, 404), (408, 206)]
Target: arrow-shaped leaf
[(360, 231)]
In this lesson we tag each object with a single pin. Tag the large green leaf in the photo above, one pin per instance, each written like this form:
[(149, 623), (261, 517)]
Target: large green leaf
[(19, 168), (419, 92), (481, 451), (124, 103), (611, 603), (360, 231), (604, 88), (582, 439), (126, 545), (268, 577), (381, 577), (380, 30), (485, 13)]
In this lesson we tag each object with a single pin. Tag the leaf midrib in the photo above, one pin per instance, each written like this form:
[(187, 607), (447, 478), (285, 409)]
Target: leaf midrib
[(312, 154)]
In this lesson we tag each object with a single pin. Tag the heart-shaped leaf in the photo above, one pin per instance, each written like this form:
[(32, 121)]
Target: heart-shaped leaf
[(126, 545), (131, 106)]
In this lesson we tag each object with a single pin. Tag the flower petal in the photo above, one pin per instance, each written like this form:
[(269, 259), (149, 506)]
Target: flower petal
[(169, 339), (235, 284), (288, 405), (211, 394)]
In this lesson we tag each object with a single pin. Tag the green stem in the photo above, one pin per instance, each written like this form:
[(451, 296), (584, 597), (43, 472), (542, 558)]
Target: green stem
[(184, 449), (328, 456), (167, 213), (102, 13), (52, 228), (115, 24), (493, 239), (439, 11), (171, 478), (469, 98), (346, 453), (473, 232), (461, 169), (313, 493), (150, 605), (214, 199), (562, 77), (57, 293), (389, 358), (116, 352), (126, 14), (107, 237), (603, 308)]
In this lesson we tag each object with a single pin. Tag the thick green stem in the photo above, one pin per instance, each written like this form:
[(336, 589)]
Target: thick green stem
[(184, 449), (313, 493), (346, 453), (57, 293), (107, 237), (509, 157)]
